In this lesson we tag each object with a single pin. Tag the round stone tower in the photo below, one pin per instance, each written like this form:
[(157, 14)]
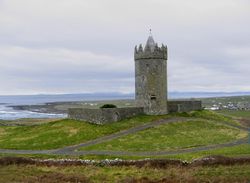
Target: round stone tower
[(151, 77)]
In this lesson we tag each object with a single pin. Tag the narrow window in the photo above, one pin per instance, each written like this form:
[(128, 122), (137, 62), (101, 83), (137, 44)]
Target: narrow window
[(153, 97), (147, 67)]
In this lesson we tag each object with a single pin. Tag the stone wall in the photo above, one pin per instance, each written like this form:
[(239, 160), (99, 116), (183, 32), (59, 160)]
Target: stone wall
[(184, 105), (105, 115)]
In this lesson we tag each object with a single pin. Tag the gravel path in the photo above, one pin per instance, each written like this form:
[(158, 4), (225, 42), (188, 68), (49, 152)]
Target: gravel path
[(72, 150), (157, 153)]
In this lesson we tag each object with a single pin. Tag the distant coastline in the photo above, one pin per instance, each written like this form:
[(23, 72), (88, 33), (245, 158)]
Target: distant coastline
[(46, 98), (49, 106)]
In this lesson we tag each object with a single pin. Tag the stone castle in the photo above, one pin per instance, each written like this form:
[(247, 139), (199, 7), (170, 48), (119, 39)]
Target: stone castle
[(150, 90), (151, 77)]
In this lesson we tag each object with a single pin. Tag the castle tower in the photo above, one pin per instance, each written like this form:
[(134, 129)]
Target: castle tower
[(151, 77)]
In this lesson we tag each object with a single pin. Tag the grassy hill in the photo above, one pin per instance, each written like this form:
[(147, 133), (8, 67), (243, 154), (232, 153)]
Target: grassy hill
[(205, 128), (173, 136), (198, 128), (62, 133)]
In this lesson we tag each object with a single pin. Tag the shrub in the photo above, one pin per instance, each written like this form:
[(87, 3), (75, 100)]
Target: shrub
[(108, 106)]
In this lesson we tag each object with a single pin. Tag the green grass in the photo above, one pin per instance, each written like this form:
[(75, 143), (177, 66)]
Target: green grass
[(33, 173), (236, 113), (173, 136), (27, 121), (56, 134), (210, 115), (234, 151), (62, 133)]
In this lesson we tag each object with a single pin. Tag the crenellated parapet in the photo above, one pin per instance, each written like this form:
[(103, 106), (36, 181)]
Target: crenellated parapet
[(151, 52)]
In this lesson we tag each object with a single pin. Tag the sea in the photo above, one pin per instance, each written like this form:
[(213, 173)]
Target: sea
[(8, 113)]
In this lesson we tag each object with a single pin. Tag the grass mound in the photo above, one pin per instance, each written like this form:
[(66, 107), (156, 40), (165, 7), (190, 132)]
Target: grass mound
[(236, 113), (171, 136), (62, 133), (209, 115)]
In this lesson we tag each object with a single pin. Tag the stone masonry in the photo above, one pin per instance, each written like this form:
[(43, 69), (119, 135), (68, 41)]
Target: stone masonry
[(104, 115), (151, 77), (184, 105)]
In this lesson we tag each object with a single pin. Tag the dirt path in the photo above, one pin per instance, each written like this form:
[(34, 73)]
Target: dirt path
[(72, 150), (157, 153)]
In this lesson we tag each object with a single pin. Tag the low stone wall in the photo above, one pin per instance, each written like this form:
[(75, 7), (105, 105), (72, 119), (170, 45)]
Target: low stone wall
[(104, 115), (184, 105), (107, 115)]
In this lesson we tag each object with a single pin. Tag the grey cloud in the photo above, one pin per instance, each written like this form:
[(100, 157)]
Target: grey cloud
[(54, 46)]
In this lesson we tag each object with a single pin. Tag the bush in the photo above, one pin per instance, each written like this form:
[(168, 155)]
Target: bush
[(108, 106)]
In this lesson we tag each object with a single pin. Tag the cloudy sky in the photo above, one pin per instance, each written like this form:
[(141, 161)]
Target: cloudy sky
[(82, 46)]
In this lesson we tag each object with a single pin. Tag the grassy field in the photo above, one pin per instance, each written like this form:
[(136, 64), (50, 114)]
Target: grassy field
[(27, 121), (234, 151), (66, 132), (209, 115), (206, 127), (236, 113), (62, 133), (32, 173), (173, 136)]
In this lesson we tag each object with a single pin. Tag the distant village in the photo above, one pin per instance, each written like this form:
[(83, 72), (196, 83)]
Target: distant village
[(237, 105)]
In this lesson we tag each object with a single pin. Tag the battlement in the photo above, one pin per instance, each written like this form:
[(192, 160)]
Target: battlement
[(151, 52)]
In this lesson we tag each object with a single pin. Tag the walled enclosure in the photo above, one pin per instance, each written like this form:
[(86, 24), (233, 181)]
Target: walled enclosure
[(107, 115), (104, 115)]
